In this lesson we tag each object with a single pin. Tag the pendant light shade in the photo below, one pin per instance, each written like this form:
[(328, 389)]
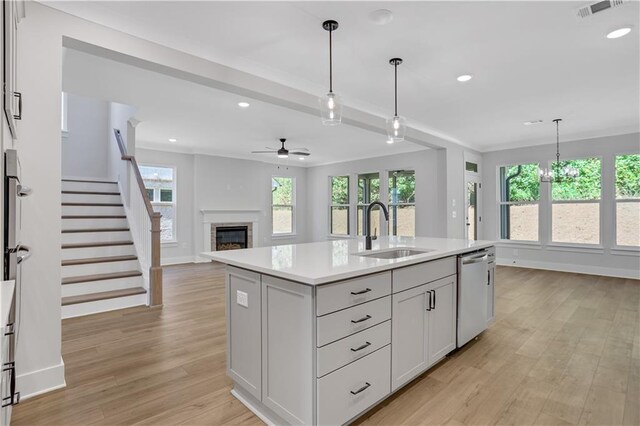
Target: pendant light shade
[(557, 173), (331, 103), (396, 125)]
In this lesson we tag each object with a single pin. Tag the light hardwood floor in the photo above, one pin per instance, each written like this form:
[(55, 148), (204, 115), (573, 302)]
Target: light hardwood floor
[(564, 350)]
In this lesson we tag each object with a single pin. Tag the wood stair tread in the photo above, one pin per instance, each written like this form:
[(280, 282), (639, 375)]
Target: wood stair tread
[(94, 217), (90, 192), (93, 297), (97, 244), (88, 181), (100, 277), (93, 204), (71, 262), (73, 231)]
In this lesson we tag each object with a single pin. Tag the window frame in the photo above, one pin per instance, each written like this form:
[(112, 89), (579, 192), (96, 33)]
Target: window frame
[(391, 205), (615, 246), (293, 232), (174, 202), (559, 244), (347, 205), (359, 205), (500, 203)]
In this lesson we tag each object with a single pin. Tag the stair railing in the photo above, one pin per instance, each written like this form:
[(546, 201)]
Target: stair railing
[(144, 225)]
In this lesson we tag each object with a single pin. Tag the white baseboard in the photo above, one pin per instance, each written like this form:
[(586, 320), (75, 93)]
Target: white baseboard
[(568, 267), (41, 381), (177, 260)]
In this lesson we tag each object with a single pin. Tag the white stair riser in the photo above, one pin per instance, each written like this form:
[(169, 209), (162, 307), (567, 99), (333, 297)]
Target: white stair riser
[(95, 237), (90, 198), (93, 210), (94, 223), (90, 186), (100, 286), (99, 268), (87, 252), (89, 308)]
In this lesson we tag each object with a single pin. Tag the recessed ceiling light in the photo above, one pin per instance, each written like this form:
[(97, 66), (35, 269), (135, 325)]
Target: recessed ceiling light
[(390, 141), (529, 123), (243, 104), (381, 16), (172, 140), (301, 158), (464, 77), (620, 32)]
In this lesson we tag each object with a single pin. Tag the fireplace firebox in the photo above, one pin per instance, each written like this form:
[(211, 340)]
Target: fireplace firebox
[(231, 237)]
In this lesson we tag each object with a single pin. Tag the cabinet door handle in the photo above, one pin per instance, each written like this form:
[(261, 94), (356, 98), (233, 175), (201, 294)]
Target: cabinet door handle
[(364, 318), (357, 293), (367, 384), (429, 304), (488, 277), (434, 299), (366, 345), (18, 116)]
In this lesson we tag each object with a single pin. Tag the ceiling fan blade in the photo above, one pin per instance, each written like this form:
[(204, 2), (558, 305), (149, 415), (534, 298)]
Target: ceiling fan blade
[(299, 153), (263, 152), (300, 149)]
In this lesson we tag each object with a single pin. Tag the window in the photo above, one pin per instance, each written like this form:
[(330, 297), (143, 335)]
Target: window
[(339, 205), (160, 184), (575, 204), (519, 187), (471, 167), (628, 200), (282, 204), (368, 191), (402, 203)]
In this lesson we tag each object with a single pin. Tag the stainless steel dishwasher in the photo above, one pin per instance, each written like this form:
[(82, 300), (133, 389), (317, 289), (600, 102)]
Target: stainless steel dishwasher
[(472, 295)]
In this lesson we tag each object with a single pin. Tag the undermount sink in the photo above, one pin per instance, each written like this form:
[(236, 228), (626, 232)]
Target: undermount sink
[(394, 254)]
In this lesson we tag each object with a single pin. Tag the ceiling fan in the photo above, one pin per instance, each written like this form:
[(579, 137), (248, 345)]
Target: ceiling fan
[(283, 152)]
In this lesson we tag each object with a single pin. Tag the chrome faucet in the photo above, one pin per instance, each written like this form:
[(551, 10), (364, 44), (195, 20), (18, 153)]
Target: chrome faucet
[(368, 237)]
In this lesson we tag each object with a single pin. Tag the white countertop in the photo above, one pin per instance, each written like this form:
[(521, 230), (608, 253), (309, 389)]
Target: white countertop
[(328, 261)]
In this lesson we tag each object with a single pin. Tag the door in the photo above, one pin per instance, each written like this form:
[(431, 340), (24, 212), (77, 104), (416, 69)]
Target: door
[(410, 355), (472, 212), (442, 318)]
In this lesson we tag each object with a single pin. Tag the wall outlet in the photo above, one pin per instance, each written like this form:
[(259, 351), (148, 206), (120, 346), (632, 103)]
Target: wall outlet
[(454, 214), (242, 298), (453, 202)]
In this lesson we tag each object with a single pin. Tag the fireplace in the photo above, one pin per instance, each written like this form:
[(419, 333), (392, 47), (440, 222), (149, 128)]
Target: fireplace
[(230, 237)]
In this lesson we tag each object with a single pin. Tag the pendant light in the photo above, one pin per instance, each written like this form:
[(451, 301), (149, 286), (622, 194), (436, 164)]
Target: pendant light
[(556, 172), (396, 125), (331, 103)]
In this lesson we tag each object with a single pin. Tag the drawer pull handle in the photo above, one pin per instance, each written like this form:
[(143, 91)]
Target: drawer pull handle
[(366, 345), (361, 389), (358, 293), (366, 317)]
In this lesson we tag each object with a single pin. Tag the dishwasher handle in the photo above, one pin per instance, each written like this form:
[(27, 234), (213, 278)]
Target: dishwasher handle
[(475, 259)]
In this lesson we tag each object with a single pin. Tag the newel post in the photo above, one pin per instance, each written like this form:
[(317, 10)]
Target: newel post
[(155, 271)]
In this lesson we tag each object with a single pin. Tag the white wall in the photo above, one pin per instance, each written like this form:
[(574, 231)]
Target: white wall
[(119, 170), (84, 149), (605, 260), (220, 183), (429, 194)]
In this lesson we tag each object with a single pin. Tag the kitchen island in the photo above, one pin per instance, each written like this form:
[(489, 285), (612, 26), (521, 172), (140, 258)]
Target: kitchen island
[(319, 333)]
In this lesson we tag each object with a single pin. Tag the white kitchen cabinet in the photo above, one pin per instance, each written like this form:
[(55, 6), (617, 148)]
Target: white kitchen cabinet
[(409, 339), (441, 318)]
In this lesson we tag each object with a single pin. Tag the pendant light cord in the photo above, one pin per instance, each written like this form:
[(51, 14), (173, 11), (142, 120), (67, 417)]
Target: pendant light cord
[(395, 66), (330, 62)]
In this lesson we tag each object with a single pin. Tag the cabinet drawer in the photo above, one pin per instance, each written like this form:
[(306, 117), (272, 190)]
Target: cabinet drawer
[(413, 276), (343, 323), (351, 390), (343, 294), (340, 353)]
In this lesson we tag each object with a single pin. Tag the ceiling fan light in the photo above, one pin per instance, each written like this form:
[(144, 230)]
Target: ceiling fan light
[(396, 128), (283, 155), (331, 109)]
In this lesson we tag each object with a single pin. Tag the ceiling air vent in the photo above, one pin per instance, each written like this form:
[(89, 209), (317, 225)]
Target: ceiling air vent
[(601, 6)]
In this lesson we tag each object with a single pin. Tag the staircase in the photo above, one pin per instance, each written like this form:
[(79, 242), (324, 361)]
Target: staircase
[(100, 268)]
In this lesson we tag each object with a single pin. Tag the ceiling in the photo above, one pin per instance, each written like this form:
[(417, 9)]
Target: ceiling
[(209, 121), (530, 60)]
